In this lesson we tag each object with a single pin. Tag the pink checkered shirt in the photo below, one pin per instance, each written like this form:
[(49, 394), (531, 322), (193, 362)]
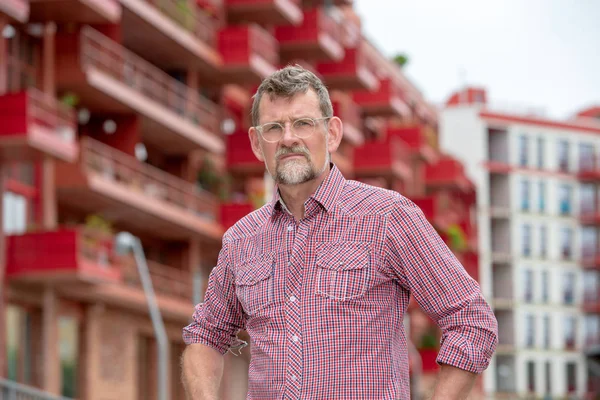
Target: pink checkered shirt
[(323, 299)]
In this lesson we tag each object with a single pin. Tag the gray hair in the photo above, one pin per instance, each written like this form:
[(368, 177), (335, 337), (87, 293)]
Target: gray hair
[(287, 82)]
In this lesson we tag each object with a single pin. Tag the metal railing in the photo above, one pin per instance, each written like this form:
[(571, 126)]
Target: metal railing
[(330, 26), (46, 111), (188, 16), (10, 390), (263, 43), (100, 52), (166, 280), (151, 181)]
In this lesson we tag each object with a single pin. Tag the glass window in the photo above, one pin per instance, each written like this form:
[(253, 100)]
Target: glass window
[(586, 157), (20, 359), (528, 285), (547, 331), (526, 240), (587, 198), (543, 241), (542, 196), (566, 243), (592, 330), (563, 156), (523, 151), (588, 242), (564, 198), (525, 193), (531, 376), (530, 331), (14, 214), (569, 288), (540, 152), (548, 377), (68, 332), (545, 286), (571, 370), (570, 331)]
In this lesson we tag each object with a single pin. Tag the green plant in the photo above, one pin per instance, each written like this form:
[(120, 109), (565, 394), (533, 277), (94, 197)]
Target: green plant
[(70, 99), (401, 59), (429, 340)]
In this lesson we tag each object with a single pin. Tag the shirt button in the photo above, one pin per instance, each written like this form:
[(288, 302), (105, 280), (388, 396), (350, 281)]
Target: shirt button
[(290, 228), (295, 338), (294, 377), (293, 299)]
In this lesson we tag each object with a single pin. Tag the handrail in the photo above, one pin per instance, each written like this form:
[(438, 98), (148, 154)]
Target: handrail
[(48, 111), (189, 16), (13, 390), (263, 43), (98, 51), (166, 280), (154, 182), (329, 25)]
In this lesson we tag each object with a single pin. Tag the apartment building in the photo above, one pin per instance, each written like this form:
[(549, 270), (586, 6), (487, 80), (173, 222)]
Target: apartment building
[(538, 215), (131, 116)]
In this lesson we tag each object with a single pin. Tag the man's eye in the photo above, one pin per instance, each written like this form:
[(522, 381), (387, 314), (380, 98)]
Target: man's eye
[(272, 128), (303, 123)]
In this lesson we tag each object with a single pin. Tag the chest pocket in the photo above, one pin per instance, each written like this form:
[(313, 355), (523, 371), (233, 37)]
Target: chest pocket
[(254, 283), (343, 270)]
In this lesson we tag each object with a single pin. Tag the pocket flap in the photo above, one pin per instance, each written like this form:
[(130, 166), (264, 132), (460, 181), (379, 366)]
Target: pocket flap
[(342, 256), (254, 270)]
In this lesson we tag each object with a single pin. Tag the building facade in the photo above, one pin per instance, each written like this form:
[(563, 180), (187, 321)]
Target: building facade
[(538, 207), (132, 116)]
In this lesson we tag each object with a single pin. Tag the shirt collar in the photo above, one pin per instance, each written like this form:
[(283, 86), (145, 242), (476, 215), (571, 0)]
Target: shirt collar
[(326, 194)]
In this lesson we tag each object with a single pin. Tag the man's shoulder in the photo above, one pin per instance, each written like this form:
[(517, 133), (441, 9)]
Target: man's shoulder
[(249, 225), (361, 198)]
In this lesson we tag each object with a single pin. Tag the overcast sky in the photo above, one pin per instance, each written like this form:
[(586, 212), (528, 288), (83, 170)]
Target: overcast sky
[(535, 53)]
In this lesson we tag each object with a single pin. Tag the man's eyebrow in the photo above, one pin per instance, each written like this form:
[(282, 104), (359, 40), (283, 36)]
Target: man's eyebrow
[(292, 118)]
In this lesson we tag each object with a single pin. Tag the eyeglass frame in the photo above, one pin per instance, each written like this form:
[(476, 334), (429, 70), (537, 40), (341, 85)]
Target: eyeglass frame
[(259, 128)]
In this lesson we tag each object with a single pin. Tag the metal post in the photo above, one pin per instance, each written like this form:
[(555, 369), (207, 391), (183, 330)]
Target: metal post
[(157, 321)]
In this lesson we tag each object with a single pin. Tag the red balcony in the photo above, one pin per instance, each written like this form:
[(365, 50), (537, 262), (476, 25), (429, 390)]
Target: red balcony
[(233, 212), (266, 12), (34, 126), (82, 11), (319, 37), (67, 255), (249, 54), (387, 101), (440, 209), (348, 111), (17, 10), (447, 172), (387, 159), (315, 3), (343, 159), (172, 34), (136, 195), (241, 160), (420, 139), (590, 216), (355, 71), (591, 303), (107, 78), (589, 169)]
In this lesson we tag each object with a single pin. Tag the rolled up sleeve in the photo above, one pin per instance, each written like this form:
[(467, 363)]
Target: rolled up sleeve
[(426, 267), (218, 319)]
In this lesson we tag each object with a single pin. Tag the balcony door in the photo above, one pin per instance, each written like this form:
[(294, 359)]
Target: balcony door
[(23, 59), (23, 341)]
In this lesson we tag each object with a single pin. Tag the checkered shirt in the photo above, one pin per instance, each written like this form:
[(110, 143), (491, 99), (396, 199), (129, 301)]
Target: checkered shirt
[(323, 299)]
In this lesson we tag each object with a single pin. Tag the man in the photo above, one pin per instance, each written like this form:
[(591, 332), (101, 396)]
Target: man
[(320, 277)]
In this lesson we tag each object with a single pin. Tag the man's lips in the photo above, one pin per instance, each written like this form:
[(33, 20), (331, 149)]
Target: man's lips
[(291, 155)]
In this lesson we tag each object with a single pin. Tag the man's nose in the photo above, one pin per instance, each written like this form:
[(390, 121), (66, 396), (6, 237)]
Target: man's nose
[(288, 136)]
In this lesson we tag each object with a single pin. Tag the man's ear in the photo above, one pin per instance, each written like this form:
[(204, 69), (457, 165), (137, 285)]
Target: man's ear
[(336, 131), (255, 143)]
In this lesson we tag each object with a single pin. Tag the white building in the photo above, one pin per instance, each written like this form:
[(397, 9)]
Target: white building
[(538, 206)]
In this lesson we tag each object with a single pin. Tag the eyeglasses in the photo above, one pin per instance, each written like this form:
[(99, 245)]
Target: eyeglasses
[(302, 128)]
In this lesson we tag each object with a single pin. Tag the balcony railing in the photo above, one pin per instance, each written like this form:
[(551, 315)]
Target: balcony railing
[(10, 390), (111, 163), (166, 280), (17, 9), (99, 52), (189, 16)]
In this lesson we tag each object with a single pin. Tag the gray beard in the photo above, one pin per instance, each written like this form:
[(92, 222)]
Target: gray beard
[(296, 172)]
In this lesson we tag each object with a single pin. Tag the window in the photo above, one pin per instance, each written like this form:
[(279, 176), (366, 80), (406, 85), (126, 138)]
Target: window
[(545, 286), (543, 241), (571, 369), (20, 357), (569, 288), (23, 59), (15, 213), (540, 153), (523, 151), (588, 199), (564, 198), (589, 242), (566, 239), (592, 330), (542, 196), (528, 286), (530, 331), (525, 193), (548, 377), (586, 157), (591, 286), (547, 331), (570, 331), (531, 376), (563, 156), (526, 240)]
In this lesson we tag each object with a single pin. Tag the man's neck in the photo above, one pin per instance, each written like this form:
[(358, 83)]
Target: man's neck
[(294, 196)]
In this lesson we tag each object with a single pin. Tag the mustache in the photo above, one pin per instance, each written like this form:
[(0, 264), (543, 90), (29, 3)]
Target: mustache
[(300, 150)]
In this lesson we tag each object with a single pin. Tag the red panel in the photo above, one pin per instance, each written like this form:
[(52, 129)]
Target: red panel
[(13, 114), (239, 151), (413, 136), (308, 31), (234, 44), (428, 357), (348, 66), (232, 213), (373, 154)]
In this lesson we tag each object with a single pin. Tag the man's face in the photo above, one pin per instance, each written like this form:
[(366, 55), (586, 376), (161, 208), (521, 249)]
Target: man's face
[(293, 160)]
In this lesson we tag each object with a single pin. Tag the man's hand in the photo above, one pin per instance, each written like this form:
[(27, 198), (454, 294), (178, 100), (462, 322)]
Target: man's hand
[(202, 370), (453, 383)]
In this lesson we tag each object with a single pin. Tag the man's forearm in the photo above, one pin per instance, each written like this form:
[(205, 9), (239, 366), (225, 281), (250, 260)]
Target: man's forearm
[(453, 383), (202, 370)]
